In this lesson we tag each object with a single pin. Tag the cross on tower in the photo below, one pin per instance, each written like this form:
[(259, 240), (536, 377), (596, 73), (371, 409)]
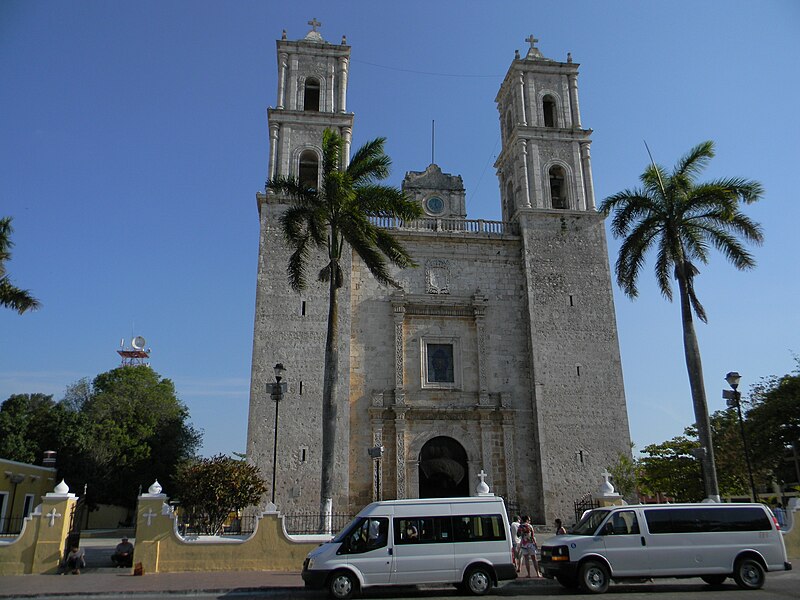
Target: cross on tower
[(482, 475), (606, 476), (314, 24), (532, 41)]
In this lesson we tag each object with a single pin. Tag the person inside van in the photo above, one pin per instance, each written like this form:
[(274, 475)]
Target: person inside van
[(412, 534)]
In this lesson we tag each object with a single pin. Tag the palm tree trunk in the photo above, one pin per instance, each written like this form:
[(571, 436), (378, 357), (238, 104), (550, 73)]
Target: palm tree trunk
[(329, 404), (694, 367)]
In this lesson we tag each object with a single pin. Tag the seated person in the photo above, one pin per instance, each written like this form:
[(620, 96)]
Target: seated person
[(411, 532), (76, 559), (123, 554)]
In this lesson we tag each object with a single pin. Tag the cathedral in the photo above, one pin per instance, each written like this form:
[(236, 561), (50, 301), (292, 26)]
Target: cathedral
[(499, 355)]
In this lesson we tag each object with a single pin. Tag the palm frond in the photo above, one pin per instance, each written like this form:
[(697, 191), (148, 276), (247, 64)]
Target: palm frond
[(694, 161), (370, 163), (15, 298)]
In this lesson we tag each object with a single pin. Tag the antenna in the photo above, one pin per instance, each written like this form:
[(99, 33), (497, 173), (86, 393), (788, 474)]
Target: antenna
[(433, 141)]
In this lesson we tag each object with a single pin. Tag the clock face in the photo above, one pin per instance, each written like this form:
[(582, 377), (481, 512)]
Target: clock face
[(435, 205)]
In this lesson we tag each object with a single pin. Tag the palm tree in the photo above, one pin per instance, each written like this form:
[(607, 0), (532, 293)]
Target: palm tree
[(10, 295), (682, 220), (328, 218)]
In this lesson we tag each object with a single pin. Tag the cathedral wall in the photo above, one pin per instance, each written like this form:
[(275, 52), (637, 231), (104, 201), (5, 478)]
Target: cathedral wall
[(290, 328), (472, 266), (578, 374)]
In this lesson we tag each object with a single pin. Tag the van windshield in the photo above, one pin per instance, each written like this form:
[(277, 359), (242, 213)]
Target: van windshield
[(344, 532), (590, 522)]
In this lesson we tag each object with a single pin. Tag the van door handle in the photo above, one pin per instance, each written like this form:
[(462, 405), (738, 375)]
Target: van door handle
[(391, 552), (644, 542)]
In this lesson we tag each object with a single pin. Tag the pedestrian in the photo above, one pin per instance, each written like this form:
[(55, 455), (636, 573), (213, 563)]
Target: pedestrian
[(560, 529), (515, 553), (76, 559), (528, 545), (780, 515), (123, 554)]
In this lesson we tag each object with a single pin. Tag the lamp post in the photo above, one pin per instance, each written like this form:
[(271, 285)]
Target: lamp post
[(276, 391), (734, 398), (376, 453)]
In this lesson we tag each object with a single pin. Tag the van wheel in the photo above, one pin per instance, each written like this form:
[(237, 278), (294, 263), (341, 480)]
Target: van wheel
[(593, 577), (714, 579), (568, 582), (343, 585), (478, 581), (748, 573)]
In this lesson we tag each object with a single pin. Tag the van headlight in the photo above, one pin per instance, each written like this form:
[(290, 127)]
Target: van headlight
[(310, 564), (559, 553)]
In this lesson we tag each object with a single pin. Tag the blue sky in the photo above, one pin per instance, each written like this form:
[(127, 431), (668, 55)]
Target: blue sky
[(133, 139)]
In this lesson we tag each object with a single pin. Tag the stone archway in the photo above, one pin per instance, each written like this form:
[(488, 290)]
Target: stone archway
[(443, 470)]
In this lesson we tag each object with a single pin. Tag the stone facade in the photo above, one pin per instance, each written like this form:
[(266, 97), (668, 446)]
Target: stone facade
[(499, 352)]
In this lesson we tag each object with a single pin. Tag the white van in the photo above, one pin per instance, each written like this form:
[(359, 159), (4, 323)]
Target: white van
[(707, 540), (464, 541)]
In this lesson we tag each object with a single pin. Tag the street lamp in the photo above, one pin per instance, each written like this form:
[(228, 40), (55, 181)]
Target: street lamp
[(276, 390), (376, 453), (734, 398)]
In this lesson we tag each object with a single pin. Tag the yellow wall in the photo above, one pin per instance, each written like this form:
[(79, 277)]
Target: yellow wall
[(40, 546), (35, 480), (161, 550)]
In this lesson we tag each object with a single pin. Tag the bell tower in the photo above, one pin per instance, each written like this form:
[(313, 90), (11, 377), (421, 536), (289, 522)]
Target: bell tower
[(312, 97), (290, 327), (544, 163)]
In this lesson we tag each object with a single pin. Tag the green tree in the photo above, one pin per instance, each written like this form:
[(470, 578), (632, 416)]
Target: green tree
[(682, 219), (137, 431), (11, 296), (122, 431), (626, 475), (670, 468), (336, 215), (213, 488), (773, 426)]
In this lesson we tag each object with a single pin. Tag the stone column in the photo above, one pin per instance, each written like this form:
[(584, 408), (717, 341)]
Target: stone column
[(331, 89), (347, 134), (274, 129), (54, 515), (525, 182), (523, 110), (486, 442), (343, 72), (479, 312), (586, 167), (573, 99), (294, 63), (508, 453), (283, 65), (400, 425)]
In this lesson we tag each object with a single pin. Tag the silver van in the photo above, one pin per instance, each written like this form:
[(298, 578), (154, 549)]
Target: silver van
[(706, 540), (463, 541)]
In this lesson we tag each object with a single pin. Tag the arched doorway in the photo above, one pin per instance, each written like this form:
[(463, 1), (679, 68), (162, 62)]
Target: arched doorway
[(443, 469)]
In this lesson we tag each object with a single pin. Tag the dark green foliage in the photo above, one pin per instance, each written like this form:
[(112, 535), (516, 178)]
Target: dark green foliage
[(213, 488), (10, 295), (123, 431)]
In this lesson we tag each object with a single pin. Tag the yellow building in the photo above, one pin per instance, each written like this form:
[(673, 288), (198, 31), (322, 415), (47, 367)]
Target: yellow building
[(21, 489)]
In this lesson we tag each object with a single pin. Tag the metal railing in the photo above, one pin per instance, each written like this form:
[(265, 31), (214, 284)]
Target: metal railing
[(11, 526), (296, 524), (586, 502)]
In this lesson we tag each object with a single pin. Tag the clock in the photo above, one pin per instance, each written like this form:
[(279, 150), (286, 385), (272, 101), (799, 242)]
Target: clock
[(434, 205)]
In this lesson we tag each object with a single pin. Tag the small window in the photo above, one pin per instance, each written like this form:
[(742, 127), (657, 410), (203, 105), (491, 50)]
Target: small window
[(549, 111), (424, 530), (311, 95), (303, 454), (309, 169), (479, 528), (440, 363), (28, 505), (558, 188)]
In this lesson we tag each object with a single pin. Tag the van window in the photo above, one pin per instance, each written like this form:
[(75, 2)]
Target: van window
[(590, 522), (623, 522), (701, 520), (365, 535), (478, 528), (423, 530)]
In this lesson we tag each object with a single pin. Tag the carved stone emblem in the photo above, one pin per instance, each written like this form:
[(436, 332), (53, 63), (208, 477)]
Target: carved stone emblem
[(437, 276)]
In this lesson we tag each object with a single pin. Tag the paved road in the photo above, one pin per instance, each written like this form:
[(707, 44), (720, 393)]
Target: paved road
[(779, 586)]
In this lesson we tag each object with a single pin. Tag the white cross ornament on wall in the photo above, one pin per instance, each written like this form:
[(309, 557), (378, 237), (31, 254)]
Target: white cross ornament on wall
[(149, 516), (52, 516)]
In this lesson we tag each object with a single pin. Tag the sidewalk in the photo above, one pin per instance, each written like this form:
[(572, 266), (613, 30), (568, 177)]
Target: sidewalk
[(261, 583)]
